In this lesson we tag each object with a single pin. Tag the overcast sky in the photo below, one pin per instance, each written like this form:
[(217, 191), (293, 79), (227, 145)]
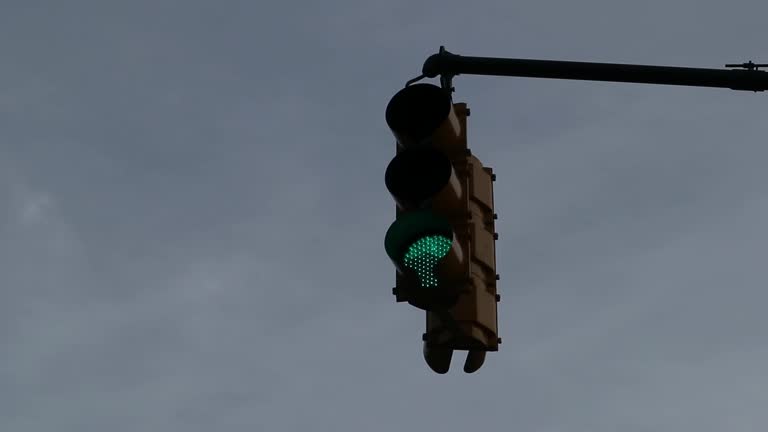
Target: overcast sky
[(192, 215)]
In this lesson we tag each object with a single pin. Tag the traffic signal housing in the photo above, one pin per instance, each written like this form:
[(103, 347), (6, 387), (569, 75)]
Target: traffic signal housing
[(442, 242)]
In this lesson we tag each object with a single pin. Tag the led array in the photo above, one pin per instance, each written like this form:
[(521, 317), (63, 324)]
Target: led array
[(423, 255)]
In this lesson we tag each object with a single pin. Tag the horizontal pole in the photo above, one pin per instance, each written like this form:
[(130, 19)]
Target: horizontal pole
[(448, 64)]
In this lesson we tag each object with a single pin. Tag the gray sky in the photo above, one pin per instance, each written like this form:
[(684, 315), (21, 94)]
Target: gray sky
[(192, 214)]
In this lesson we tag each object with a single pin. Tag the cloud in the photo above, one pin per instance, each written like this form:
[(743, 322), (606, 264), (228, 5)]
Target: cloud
[(192, 213)]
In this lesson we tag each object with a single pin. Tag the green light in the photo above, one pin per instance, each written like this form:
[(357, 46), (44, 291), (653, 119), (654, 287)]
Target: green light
[(423, 256)]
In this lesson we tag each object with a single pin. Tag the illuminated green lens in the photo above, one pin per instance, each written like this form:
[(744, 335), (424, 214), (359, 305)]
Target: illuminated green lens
[(423, 255)]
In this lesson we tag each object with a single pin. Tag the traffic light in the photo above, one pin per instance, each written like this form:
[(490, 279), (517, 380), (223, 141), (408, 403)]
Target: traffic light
[(443, 239)]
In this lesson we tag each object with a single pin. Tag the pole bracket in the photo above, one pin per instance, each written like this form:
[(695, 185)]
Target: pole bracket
[(748, 65)]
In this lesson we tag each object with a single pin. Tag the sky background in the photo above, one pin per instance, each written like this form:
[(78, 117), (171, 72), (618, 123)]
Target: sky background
[(192, 215)]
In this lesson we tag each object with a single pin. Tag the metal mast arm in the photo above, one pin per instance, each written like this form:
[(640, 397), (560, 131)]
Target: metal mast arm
[(448, 65)]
